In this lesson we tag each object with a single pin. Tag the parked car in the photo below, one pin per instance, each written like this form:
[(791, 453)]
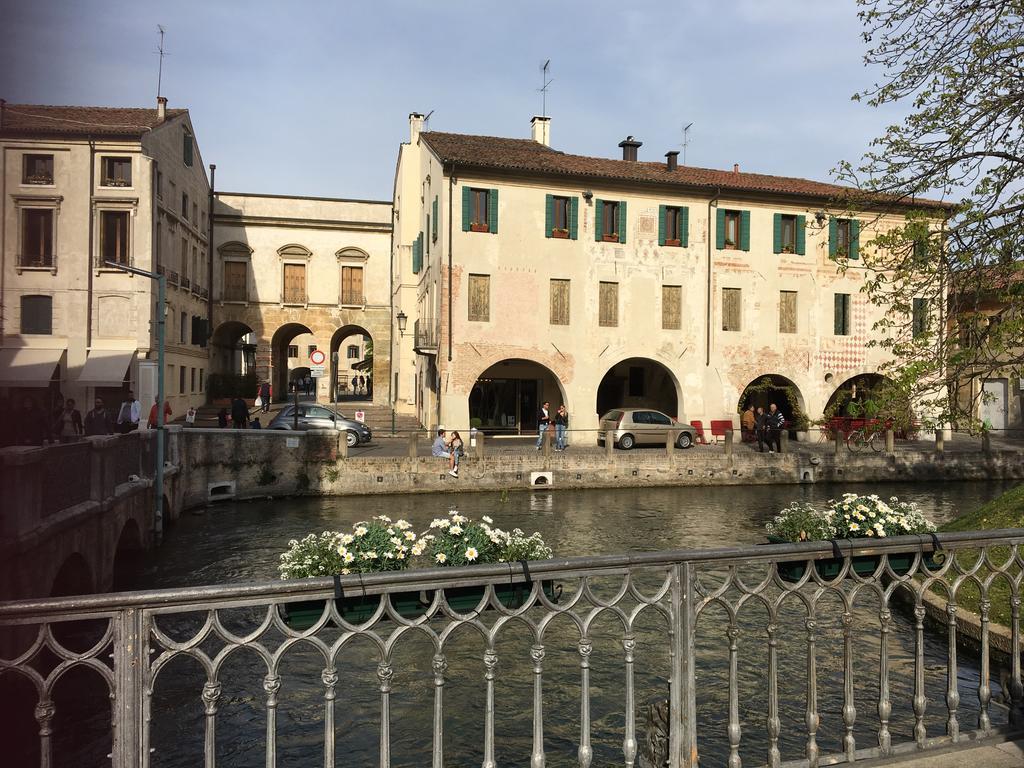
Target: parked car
[(642, 426), (319, 417)]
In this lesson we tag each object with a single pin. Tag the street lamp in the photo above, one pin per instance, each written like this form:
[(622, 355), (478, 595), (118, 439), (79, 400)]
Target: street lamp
[(158, 483), (403, 321)]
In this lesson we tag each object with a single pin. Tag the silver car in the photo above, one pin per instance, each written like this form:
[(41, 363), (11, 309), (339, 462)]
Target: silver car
[(318, 417), (643, 426)]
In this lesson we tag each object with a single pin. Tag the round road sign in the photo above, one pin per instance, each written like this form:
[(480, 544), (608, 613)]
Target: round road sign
[(317, 357)]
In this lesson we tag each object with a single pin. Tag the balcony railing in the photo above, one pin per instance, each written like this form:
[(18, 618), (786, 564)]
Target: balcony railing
[(425, 336), (172, 277), (205, 293), (353, 299), (160, 269), (294, 297), (827, 670), (185, 283), (37, 260)]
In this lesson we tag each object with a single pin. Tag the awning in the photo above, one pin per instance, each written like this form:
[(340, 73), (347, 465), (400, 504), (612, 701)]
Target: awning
[(364, 365), (106, 367), (28, 366)]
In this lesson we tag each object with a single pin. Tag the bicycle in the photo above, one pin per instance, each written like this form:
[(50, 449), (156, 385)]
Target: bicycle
[(866, 437)]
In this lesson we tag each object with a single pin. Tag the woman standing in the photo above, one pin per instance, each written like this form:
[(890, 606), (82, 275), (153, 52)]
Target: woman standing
[(561, 425)]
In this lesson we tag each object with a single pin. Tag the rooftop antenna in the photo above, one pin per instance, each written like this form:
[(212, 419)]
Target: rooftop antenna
[(545, 84), (686, 139), (160, 50), (426, 121)]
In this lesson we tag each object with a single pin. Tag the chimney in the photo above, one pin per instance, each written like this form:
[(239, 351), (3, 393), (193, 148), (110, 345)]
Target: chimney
[(735, 167), (541, 130), (629, 147), (673, 159), (415, 126), (161, 108)]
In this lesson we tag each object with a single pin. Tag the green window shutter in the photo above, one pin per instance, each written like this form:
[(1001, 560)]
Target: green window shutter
[(837, 327), (574, 215), (684, 227), (598, 219), (466, 191), (622, 222), (854, 239), (833, 226), (434, 220), (744, 230), (777, 233), (720, 229), (549, 214), (492, 212), (801, 235), (417, 254), (661, 224)]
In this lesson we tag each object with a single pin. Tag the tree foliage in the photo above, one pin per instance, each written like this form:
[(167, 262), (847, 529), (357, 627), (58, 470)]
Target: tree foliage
[(957, 67)]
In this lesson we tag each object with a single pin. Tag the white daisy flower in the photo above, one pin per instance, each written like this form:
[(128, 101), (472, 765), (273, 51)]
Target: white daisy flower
[(472, 554), (441, 557)]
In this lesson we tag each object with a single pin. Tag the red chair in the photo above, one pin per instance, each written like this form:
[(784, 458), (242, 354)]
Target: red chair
[(719, 427), (699, 426)]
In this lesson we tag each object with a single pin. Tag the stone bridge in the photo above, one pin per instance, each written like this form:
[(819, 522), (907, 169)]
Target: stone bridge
[(75, 518)]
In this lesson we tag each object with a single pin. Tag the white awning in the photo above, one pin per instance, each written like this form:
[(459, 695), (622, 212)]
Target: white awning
[(106, 367), (28, 366)]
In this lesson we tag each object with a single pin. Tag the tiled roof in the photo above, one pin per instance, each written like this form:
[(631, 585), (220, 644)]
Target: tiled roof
[(42, 119), (528, 156)]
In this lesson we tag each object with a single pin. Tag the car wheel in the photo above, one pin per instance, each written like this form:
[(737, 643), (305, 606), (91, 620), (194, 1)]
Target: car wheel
[(352, 439), (684, 440), (626, 442)]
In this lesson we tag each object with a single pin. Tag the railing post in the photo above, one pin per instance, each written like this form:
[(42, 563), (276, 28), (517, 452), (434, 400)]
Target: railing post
[(342, 451), (479, 449), (413, 448), (670, 443), (683, 687), (546, 440), (940, 441), (783, 441), (837, 445), (728, 444), (986, 441), (890, 442), (609, 443), (130, 657)]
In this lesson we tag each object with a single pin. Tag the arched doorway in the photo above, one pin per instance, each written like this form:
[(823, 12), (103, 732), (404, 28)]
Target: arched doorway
[(279, 357), (507, 396), (868, 395), (128, 557), (638, 382), (233, 349), (773, 388), (351, 364)]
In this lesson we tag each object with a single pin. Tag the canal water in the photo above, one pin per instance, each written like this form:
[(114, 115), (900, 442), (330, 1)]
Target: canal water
[(236, 542)]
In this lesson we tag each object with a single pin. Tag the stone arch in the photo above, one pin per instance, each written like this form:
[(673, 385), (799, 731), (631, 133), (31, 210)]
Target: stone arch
[(342, 371), (230, 351), (784, 392), (279, 356), (294, 251), (849, 397), (640, 382), (508, 394), (74, 577), (351, 253), (235, 249), (128, 555)]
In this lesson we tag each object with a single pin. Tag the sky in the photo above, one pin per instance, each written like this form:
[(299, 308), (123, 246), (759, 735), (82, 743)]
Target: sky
[(313, 97)]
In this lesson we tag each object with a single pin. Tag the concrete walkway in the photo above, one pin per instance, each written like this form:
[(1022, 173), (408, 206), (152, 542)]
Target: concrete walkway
[(1008, 754)]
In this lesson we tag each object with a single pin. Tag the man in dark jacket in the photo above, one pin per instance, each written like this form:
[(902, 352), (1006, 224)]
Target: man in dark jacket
[(760, 428), (98, 421), (239, 413), (775, 421)]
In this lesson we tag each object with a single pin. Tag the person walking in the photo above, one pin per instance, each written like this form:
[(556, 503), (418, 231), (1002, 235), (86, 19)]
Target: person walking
[(239, 413), (760, 428), (31, 426), (776, 421), (561, 425), (151, 422), (222, 418), (69, 427), (129, 414), (98, 421), (265, 396), (543, 420)]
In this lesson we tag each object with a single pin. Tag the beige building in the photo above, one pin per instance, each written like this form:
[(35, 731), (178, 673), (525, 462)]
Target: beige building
[(81, 187), (299, 274), (529, 274)]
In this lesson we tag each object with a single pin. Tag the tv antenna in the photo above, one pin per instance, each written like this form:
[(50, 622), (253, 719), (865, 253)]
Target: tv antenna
[(426, 121), (686, 139), (162, 52), (545, 83)]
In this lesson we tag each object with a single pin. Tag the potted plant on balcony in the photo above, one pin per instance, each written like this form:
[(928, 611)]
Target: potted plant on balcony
[(851, 517)]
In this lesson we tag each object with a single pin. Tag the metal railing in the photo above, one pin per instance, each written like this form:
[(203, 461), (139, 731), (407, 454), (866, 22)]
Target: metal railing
[(37, 260), (352, 298), (425, 335), (765, 659)]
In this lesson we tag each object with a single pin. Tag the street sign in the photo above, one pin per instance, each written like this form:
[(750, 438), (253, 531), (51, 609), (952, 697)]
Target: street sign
[(316, 371), (317, 357), (360, 416)]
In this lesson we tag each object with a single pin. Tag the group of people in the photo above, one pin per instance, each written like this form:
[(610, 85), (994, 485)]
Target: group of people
[(560, 421), (239, 414), (451, 448), (763, 427)]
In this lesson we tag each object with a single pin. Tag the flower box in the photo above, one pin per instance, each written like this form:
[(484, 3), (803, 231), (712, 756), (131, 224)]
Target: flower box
[(863, 565)]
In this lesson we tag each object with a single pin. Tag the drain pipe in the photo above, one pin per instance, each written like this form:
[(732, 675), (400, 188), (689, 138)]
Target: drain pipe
[(451, 197), (712, 203), (209, 260)]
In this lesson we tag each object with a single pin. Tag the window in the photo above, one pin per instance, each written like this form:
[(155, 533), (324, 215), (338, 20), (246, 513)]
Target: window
[(352, 285), (187, 148), (184, 206), (920, 317), (160, 185), (200, 379), (181, 379), (673, 225), (844, 238), (732, 230), (559, 302), (184, 328), (353, 352), (610, 221), (787, 311), (608, 305), (561, 215), (731, 309), (184, 260), (842, 314), (116, 172), (236, 278), (114, 236), (789, 233), (37, 169), (196, 274), (37, 314), (193, 389), (479, 210), (294, 283), (433, 222), (293, 350), (671, 307), (480, 298), (36, 237), (310, 349)]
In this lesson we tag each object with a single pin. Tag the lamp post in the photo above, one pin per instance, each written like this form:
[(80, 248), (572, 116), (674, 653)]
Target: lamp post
[(158, 482), (403, 321)]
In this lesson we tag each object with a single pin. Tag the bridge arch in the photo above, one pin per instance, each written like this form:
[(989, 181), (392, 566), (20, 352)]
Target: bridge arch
[(74, 577)]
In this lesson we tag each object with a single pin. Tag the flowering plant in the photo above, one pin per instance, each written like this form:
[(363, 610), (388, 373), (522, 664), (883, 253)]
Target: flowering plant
[(457, 540), (375, 545), (851, 517)]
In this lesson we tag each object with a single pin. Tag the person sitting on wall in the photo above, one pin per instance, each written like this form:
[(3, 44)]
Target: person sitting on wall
[(442, 450)]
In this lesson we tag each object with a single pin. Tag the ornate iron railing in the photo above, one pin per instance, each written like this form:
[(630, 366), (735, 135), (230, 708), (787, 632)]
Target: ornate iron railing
[(425, 335), (758, 667)]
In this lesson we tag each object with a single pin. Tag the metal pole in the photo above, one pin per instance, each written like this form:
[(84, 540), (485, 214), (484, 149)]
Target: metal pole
[(295, 411)]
